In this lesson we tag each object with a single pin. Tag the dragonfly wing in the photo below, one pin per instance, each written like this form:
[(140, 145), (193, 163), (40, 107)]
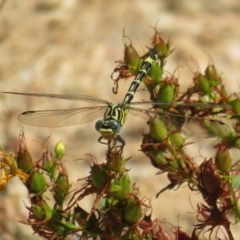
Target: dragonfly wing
[(196, 127), (76, 97), (185, 104), (61, 118), (190, 126)]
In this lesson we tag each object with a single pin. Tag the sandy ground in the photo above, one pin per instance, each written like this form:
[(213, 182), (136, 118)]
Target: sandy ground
[(70, 46)]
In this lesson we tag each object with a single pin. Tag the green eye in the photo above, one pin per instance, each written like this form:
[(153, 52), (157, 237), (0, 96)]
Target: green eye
[(98, 124), (114, 125)]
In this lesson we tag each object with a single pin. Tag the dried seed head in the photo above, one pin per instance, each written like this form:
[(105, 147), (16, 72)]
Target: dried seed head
[(210, 178), (24, 160)]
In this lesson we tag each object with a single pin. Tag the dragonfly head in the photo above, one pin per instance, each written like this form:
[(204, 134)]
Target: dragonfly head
[(108, 129)]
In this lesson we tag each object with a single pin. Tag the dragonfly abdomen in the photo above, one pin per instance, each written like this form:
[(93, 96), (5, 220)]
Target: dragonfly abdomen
[(146, 65)]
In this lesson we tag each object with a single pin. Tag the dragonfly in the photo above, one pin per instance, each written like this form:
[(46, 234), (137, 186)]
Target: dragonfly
[(114, 115)]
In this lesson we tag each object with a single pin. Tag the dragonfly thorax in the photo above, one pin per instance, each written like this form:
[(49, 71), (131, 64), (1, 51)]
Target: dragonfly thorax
[(117, 112)]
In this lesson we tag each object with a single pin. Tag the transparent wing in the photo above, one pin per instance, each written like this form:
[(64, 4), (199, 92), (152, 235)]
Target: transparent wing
[(76, 97), (61, 118), (190, 126), (189, 104)]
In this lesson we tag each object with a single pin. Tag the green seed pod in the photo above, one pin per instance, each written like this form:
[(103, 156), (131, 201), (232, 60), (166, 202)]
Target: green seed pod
[(166, 94), (158, 130), (132, 211), (235, 105), (60, 149), (223, 160), (61, 188), (203, 84), (131, 58), (160, 45), (177, 139), (155, 73), (99, 176), (37, 182), (158, 158), (24, 160), (120, 187), (212, 75), (42, 210), (49, 164)]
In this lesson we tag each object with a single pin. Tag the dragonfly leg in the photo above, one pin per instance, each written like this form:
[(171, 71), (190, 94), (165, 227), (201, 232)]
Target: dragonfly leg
[(100, 140), (117, 139), (113, 144)]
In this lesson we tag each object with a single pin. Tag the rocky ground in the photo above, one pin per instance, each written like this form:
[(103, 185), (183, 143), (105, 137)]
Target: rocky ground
[(70, 46)]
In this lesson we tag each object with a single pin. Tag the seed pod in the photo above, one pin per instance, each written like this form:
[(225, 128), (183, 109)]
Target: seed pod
[(24, 160), (158, 130), (132, 211), (61, 188), (177, 139), (131, 58), (115, 162), (99, 176), (223, 160), (120, 187), (161, 45), (202, 84), (210, 178), (155, 73), (60, 149), (166, 94), (37, 182), (158, 158), (235, 105), (42, 210), (210, 71), (212, 76), (49, 164)]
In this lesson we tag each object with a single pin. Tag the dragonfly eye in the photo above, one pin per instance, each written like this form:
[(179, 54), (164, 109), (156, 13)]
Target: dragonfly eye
[(115, 126), (99, 124)]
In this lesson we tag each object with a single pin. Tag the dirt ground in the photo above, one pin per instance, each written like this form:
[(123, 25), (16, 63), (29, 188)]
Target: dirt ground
[(70, 46)]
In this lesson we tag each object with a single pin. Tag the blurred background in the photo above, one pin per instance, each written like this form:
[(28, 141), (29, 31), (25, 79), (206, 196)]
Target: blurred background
[(70, 46)]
